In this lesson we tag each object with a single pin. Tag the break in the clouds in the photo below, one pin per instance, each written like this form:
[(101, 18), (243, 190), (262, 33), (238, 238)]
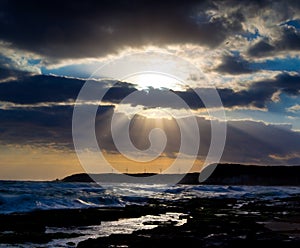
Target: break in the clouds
[(37, 110), (50, 127), (26, 89)]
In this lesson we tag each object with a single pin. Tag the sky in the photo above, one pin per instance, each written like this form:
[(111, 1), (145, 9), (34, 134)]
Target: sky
[(248, 51)]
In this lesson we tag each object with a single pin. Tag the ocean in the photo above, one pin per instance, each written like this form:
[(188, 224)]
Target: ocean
[(25, 198), (22, 196)]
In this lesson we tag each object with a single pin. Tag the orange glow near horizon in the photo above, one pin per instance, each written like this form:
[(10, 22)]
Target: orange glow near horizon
[(36, 163)]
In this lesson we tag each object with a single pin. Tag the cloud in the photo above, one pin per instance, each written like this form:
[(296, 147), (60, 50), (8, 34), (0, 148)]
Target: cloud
[(75, 29), (289, 40), (294, 108), (259, 142), (37, 110), (40, 88), (257, 95), (228, 40), (247, 141), (7, 75), (234, 65), (36, 126), (40, 125), (99, 30), (261, 48), (14, 58), (47, 90)]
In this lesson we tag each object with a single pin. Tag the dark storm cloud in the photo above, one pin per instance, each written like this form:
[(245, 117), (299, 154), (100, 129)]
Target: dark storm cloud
[(78, 29), (8, 74), (65, 29), (289, 40), (234, 65), (40, 88), (25, 88), (118, 92), (261, 48), (258, 94)]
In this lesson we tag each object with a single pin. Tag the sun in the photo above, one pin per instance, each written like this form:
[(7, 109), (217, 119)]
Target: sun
[(152, 79), (157, 80)]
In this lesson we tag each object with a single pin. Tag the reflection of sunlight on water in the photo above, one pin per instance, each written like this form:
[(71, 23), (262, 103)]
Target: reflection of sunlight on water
[(122, 226)]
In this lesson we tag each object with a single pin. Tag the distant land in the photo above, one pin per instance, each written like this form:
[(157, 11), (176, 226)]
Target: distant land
[(224, 174)]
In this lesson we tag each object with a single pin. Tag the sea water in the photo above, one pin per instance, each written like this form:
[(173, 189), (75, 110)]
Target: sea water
[(21, 196)]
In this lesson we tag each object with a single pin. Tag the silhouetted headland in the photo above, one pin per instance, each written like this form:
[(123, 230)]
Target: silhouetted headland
[(224, 174)]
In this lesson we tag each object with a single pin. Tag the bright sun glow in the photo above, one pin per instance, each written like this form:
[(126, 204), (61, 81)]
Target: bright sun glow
[(156, 80), (152, 79)]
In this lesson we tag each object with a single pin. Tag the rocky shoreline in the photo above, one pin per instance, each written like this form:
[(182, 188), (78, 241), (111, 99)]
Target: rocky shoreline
[(210, 222), (218, 223)]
